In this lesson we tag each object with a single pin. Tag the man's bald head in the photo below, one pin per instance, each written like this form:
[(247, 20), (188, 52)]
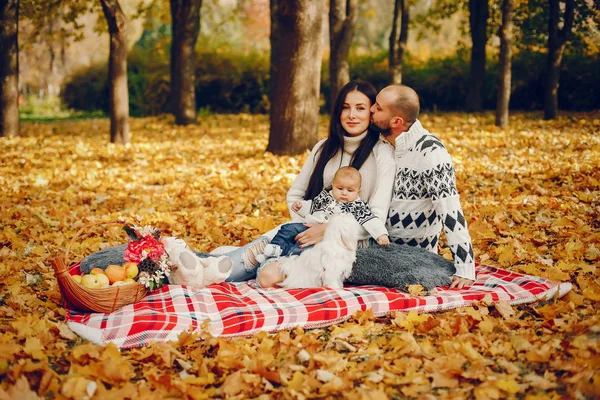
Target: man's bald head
[(404, 101)]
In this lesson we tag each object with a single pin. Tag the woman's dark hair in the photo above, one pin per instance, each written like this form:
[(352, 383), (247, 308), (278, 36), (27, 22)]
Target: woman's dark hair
[(335, 140)]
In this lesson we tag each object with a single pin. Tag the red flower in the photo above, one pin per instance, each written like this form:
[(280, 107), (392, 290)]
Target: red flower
[(154, 248)]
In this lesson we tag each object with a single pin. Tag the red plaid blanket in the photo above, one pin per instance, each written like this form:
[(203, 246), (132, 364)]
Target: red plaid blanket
[(237, 309)]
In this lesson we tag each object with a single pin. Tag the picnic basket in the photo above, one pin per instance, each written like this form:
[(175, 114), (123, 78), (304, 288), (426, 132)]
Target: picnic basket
[(103, 300)]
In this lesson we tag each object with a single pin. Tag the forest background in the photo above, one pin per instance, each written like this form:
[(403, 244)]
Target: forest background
[(70, 71)]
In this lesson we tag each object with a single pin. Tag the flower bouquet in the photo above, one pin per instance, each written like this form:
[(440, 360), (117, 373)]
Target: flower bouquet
[(147, 251)]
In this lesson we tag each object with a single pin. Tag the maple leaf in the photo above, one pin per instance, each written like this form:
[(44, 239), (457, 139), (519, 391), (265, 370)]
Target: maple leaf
[(7, 351), (233, 384), (30, 325), (540, 355), (508, 385), (84, 352), (78, 387), (228, 355), (540, 382), (112, 367), (20, 390), (64, 331), (416, 290), (592, 292), (486, 325), (504, 309), (34, 348), (208, 379), (441, 379), (411, 320)]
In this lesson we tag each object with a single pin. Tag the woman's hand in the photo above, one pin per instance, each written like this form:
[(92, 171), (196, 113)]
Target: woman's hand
[(313, 235), (459, 283), (296, 206)]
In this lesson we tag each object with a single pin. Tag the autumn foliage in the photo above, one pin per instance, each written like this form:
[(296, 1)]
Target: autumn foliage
[(531, 195)]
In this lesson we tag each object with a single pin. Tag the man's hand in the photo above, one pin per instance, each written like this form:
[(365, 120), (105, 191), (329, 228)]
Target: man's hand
[(313, 235), (383, 240), (459, 283)]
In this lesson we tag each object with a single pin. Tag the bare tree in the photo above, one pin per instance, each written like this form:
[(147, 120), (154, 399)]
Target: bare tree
[(504, 64), (296, 52), (9, 68), (342, 25), (117, 72), (557, 40), (478, 20), (398, 40), (185, 17)]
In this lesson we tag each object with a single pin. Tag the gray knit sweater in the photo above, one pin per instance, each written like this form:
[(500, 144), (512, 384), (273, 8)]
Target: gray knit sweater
[(425, 199)]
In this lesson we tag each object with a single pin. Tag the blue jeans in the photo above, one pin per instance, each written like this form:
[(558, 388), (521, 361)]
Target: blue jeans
[(243, 259), (285, 239)]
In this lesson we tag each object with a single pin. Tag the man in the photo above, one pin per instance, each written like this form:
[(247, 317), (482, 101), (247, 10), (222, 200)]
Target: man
[(425, 197)]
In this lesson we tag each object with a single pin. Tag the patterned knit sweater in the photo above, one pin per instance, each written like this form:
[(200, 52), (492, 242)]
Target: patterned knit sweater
[(425, 199), (324, 206), (377, 177)]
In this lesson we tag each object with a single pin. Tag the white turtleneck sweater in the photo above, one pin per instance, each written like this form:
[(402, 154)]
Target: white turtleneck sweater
[(377, 174), (425, 199)]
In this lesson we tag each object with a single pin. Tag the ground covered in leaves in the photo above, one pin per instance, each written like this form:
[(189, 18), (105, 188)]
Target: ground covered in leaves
[(531, 195)]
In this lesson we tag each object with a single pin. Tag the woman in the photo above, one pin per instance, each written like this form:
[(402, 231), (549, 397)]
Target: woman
[(350, 142)]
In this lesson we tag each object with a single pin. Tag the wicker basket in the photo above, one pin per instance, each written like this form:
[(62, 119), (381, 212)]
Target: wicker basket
[(104, 300)]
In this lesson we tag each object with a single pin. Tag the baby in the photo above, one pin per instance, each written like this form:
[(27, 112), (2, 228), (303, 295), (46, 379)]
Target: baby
[(342, 198)]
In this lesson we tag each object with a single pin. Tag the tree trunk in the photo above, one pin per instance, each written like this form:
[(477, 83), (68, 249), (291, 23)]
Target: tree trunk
[(398, 41), (117, 72), (342, 25), (296, 51), (9, 68), (557, 40), (478, 19), (504, 64), (185, 23)]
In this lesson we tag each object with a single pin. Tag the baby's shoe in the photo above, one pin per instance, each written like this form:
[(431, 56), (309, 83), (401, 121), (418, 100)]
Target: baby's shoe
[(260, 258), (180, 253), (272, 250)]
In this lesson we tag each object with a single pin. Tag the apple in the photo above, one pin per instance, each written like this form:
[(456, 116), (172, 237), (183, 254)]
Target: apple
[(90, 281), (103, 280), (96, 271), (115, 273), (129, 280), (131, 269), (119, 283), (76, 278)]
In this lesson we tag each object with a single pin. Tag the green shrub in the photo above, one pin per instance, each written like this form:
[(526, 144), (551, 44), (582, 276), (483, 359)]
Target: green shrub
[(225, 82), (87, 90), (149, 82), (440, 83), (580, 83), (32, 104), (229, 81), (232, 82)]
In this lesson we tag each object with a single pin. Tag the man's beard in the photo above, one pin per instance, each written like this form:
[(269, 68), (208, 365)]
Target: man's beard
[(385, 131)]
